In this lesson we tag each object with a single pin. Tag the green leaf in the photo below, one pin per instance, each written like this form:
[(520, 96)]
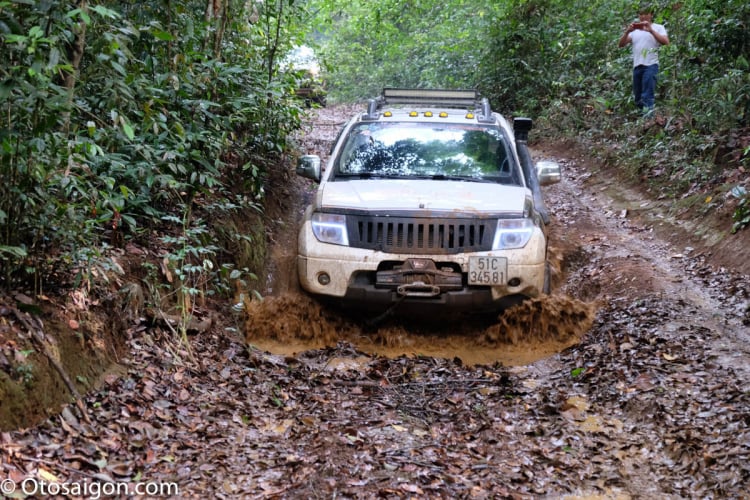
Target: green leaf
[(16, 38), (162, 35), (119, 68), (14, 251), (130, 221), (54, 57), (105, 12), (9, 24), (6, 87), (80, 13), (128, 129)]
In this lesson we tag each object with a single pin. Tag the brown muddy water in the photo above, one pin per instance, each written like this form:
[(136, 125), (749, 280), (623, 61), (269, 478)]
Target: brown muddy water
[(536, 329)]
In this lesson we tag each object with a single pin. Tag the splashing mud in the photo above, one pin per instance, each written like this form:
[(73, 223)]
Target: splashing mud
[(536, 329)]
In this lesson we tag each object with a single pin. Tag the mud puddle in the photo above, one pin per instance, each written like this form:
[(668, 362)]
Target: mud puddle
[(293, 323)]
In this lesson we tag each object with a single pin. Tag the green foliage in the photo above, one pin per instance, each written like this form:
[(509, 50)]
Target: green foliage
[(370, 45), (24, 370), (117, 116), (558, 61)]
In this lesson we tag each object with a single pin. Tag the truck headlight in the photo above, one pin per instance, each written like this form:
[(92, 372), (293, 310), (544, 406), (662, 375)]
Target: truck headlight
[(330, 228), (512, 233)]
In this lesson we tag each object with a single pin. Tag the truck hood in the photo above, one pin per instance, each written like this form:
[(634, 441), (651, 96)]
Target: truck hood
[(435, 195)]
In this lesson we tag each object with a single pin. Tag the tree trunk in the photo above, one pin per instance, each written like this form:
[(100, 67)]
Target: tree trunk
[(75, 54), (274, 42), (221, 27), (216, 11)]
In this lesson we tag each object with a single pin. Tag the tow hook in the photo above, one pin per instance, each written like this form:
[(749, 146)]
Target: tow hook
[(418, 289)]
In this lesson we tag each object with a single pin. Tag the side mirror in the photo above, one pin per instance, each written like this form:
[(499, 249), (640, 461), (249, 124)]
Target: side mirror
[(309, 166), (548, 172)]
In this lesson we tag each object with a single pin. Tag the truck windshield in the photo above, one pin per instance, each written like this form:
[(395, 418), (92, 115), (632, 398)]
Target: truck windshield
[(427, 150)]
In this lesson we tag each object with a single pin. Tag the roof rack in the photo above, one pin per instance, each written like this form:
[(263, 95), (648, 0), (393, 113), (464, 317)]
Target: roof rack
[(468, 99)]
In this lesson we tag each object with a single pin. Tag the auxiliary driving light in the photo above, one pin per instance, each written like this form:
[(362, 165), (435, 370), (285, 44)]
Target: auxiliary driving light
[(324, 279), (514, 281)]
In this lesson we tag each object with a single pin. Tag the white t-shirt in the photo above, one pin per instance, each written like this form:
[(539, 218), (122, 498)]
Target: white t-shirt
[(645, 46)]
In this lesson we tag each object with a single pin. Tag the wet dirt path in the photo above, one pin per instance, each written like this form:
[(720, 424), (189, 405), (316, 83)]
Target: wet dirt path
[(651, 400), (655, 348), (669, 350), (612, 232)]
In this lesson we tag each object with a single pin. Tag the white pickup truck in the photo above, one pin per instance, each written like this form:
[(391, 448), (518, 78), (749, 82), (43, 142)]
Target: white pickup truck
[(429, 203)]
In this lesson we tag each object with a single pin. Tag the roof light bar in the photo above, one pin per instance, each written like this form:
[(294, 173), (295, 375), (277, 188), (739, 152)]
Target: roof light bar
[(448, 98)]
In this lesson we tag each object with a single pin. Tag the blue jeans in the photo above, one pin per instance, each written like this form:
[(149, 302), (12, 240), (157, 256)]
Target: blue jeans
[(644, 85)]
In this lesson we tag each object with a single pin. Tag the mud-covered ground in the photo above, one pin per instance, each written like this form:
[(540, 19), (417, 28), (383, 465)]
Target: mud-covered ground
[(631, 381)]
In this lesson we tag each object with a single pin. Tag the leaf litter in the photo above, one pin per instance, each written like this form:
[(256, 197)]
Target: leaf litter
[(649, 401)]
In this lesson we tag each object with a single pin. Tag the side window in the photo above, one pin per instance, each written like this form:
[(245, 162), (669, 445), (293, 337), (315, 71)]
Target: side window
[(355, 151), (509, 172)]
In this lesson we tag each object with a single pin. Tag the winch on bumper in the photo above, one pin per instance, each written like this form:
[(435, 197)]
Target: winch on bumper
[(419, 278)]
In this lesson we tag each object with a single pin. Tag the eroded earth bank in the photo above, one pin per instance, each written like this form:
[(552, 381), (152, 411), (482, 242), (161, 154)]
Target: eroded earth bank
[(630, 381)]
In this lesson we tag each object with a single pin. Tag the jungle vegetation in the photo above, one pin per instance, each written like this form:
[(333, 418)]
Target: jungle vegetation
[(158, 121)]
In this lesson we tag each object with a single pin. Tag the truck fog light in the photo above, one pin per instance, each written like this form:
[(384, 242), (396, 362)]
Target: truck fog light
[(324, 279), (514, 281)]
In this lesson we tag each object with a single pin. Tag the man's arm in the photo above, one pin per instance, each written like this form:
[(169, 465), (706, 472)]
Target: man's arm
[(625, 38), (662, 38)]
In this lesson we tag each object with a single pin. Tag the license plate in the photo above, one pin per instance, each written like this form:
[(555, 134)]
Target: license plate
[(488, 270)]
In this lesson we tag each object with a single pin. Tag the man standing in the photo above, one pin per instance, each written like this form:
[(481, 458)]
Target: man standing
[(646, 38)]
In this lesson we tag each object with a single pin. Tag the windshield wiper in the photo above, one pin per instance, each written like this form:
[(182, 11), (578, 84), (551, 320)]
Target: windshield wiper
[(358, 175), (437, 177), (381, 175), (444, 177)]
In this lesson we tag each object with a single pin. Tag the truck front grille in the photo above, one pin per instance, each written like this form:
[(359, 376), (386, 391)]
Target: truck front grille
[(421, 235)]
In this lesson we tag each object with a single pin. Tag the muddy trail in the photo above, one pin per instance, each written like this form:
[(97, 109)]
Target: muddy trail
[(633, 349), (630, 381)]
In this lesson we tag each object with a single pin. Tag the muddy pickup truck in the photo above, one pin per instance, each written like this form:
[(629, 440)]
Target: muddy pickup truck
[(430, 202)]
